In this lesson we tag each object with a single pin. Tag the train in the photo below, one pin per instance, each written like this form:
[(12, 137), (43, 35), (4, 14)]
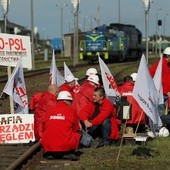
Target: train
[(116, 42), (56, 44)]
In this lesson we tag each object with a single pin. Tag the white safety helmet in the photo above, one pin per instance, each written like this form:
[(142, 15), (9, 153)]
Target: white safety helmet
[(163, 132), (93, 78), (64, 95), (167, 51), (91, 71), (134, 75)]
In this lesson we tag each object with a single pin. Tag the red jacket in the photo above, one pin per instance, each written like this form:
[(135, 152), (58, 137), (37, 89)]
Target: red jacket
[(47, 100), (107, 110), (165, 74), (84, 95), (34, 100), (126, 90), (66, 87), (60, 129)]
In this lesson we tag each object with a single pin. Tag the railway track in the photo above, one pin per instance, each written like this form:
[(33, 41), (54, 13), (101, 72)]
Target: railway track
[(41, 71), (24, 156)]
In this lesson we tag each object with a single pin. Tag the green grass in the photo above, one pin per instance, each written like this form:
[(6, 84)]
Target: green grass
[(105, 158)]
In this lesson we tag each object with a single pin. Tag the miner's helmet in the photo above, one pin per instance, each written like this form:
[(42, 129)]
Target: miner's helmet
[(166, 52), (64, 95)]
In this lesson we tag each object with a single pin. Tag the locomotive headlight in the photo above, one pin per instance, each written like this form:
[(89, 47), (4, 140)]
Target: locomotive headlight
[(81, 49)]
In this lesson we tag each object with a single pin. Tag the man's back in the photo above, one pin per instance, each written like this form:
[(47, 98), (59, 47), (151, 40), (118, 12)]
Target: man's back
[(60, 127), (45, 102)]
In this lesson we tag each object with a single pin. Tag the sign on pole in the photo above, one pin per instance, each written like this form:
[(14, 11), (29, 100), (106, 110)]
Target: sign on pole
[(12, 47)]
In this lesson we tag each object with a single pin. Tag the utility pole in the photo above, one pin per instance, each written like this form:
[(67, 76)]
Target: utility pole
[(119, 11), (76, 40), (5, 4), (147, 8), (32, 35), (61, 6)]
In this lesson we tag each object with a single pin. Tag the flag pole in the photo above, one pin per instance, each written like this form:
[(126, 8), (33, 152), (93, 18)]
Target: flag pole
[(10, 97)]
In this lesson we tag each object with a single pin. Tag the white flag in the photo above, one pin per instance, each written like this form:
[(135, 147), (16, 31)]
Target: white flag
[(109, 82), (55, 75), (145, 92), (15, 87), (158, 82), (68, 72)]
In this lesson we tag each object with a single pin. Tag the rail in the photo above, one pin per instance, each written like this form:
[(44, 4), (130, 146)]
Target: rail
[(23, 157)]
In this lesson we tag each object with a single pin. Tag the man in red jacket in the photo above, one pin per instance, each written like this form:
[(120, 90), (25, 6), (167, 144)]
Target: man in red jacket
[(165, 76), (69, 84), (60, 136), (85, 93), (99, 117), (165, 82), (48, 99), (137, 114)]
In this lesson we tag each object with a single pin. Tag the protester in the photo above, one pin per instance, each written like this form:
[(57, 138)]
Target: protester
[(99, 117), (91, 71), (137, 114), (60, 135), (47, 100), (134, 75), (85, 93), (34, 101), (165, 86), (69, 84), (165, 77)]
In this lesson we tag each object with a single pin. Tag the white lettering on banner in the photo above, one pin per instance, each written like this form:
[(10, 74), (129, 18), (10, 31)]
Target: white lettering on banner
[(16, 129), (58, 117), (14, 46)]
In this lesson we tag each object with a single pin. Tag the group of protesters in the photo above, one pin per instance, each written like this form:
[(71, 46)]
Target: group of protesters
[(65, 120)]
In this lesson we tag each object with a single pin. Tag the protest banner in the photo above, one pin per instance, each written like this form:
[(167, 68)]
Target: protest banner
[(13, 47), (16, 128)]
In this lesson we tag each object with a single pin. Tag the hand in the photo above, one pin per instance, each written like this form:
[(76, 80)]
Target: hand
[(80, 126), (168, 94), (87, 123)]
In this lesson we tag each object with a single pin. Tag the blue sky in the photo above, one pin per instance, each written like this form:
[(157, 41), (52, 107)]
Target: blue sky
[(47, 16)]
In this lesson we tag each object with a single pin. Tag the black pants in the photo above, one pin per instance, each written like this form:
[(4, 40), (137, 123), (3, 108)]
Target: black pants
[(58, 155)]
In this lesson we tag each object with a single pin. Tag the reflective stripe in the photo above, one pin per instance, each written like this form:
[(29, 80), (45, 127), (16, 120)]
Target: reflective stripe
[(81, 56), (106, 56), (89, 53)]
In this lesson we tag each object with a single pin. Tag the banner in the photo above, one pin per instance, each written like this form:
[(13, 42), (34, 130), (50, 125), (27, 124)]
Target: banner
[(16, 88), (68, 72), (158, 82), (16, 128), (109, 82), (55, 75), (13, 47), (145, 92)]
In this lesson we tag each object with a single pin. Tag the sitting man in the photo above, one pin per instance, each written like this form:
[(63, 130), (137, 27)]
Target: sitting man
[(99, 118), (47, 100), (60, 136), (137, 114), (69, 84), (85, 93)]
